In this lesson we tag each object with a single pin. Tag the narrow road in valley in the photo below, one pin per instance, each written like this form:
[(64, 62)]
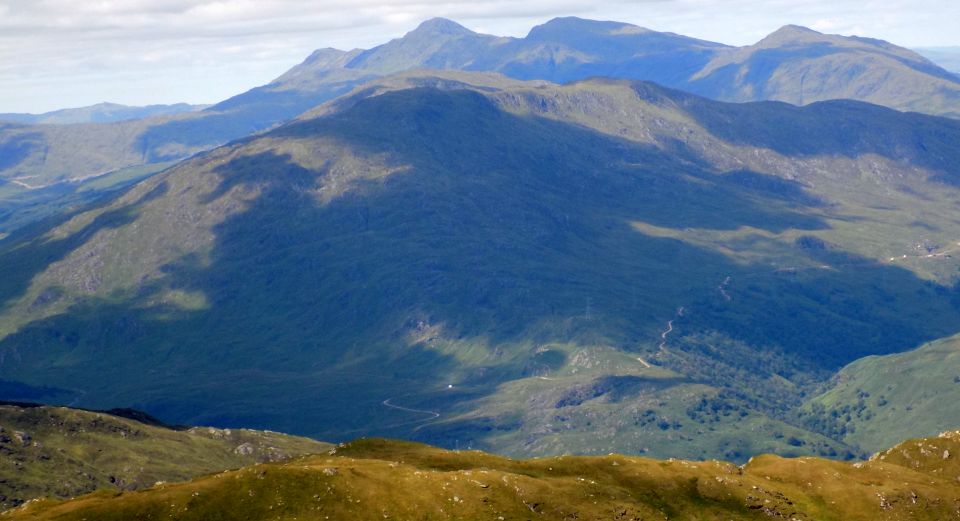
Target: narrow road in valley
[(663, 335), (428, 419), (723, 289), (432, 414)]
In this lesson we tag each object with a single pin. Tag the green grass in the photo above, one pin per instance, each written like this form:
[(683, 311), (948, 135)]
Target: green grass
[(880, 398)]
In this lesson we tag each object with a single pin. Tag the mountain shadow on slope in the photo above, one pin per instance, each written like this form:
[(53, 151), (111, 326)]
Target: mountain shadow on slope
[(494, 230)]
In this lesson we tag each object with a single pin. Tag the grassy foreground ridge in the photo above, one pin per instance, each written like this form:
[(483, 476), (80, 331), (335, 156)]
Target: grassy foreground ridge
[(61, 452), (380, 479)]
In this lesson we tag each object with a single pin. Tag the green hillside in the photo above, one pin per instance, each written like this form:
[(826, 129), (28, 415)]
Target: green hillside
[(377, 479), (522, 267), (880, 398), (59, 452)]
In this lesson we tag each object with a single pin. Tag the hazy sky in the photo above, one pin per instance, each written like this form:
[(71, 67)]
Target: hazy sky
[(64, 53)]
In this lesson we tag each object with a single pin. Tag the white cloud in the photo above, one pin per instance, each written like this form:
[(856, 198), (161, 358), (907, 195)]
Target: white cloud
[(55, 53)]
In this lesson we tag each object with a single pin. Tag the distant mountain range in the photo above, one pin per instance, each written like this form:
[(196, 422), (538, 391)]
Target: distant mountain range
[(794, 64), (100, 113), (524, 267), (946, 57)]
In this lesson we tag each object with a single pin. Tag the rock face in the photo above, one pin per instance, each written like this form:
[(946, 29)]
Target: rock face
[(22, 438), (244, 449)]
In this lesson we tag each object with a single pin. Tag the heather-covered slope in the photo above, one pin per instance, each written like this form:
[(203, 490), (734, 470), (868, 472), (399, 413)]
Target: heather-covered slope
[(529, 268), (377, 479), (59, 452)]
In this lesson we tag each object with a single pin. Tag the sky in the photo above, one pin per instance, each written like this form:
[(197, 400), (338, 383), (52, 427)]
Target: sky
[(69, 53)]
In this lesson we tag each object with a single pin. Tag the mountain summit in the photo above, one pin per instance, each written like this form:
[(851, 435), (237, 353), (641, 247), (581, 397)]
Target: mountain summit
[(439, 27), (792, 34), (801, 66), (560, 29)]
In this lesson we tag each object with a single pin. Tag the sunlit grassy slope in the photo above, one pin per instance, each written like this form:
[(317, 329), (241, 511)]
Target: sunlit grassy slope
[(60, 452), (882, 398), (516, 266), (377, 479)]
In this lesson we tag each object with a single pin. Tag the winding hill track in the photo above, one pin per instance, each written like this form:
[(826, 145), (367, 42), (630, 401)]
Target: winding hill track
[(430, 415)]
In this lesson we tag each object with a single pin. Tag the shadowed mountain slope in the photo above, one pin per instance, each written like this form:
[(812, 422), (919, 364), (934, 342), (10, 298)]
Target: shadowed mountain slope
[(534, 269), (378, 479)]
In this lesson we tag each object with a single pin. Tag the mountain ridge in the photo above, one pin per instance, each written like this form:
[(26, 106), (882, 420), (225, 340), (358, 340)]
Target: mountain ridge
[(468, 205), (586, 43), (375, 478), (100, 113), (567, 49)]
